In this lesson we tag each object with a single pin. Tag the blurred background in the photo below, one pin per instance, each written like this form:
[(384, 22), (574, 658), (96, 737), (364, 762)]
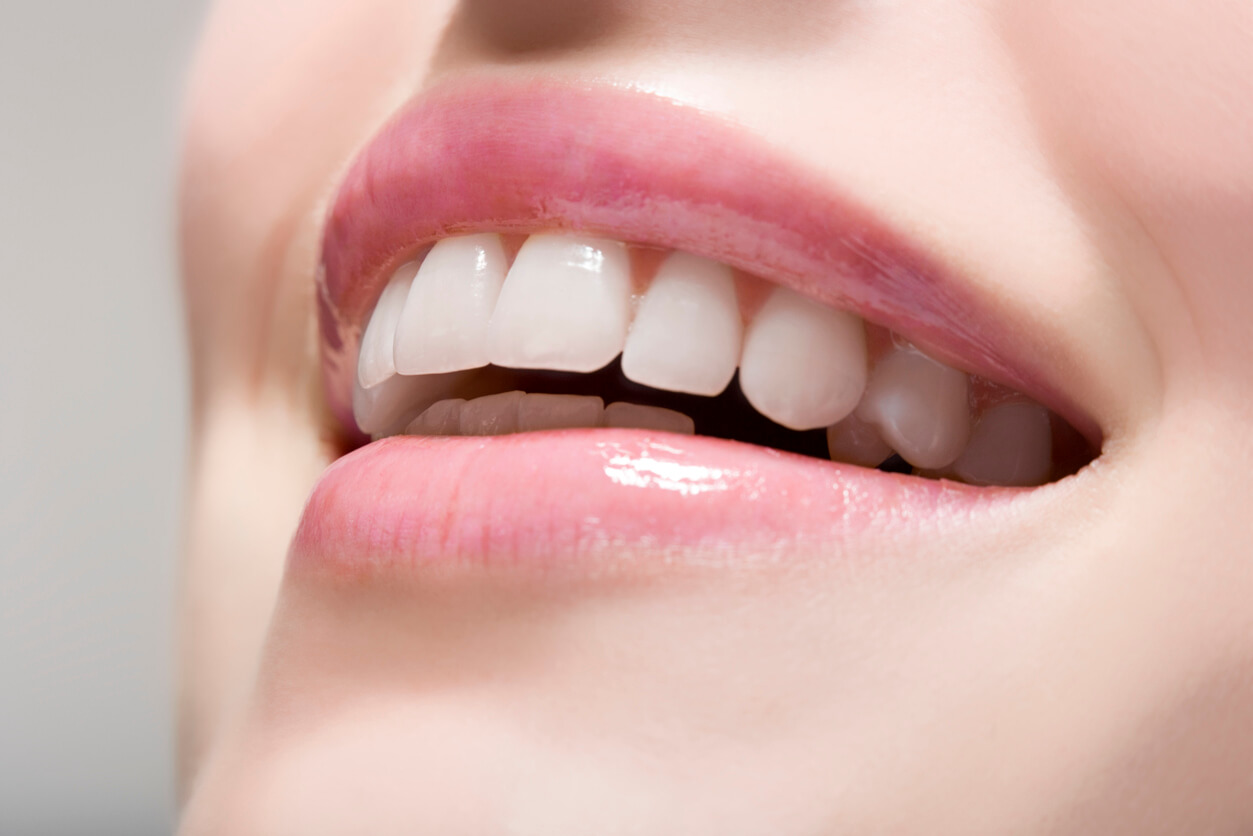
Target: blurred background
[(94, 404)]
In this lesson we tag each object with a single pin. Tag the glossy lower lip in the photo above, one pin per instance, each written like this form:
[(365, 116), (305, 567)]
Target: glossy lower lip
[(596, 504)]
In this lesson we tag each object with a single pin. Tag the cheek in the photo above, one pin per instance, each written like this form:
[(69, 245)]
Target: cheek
[(266, 68), (280, 95), (1152, 104), (1161, 91)]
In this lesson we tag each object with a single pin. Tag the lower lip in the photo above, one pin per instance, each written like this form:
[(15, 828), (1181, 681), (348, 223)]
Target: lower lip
[(576, 503)]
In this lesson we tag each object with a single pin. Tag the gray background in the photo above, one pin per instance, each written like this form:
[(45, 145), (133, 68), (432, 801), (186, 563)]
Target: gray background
[(92, 370)]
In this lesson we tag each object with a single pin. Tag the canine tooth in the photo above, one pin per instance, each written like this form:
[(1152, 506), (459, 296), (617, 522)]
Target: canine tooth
[(375, 363), (1012, 444), (491, 414), (559, 412), (443, 327), (638, 417), (441, 418), (920, 407), (687, 332), (804, 364), (853, 441), (564, 306)]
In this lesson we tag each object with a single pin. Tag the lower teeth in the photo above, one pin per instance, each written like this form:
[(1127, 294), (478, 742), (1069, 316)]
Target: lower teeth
[(538, 400), (518, 412), (534, 401)]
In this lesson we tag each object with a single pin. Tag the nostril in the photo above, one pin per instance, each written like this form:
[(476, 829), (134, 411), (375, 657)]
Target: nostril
[(533, 26)]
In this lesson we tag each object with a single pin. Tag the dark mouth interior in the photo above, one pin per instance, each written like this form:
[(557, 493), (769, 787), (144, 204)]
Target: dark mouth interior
[(728, 415)]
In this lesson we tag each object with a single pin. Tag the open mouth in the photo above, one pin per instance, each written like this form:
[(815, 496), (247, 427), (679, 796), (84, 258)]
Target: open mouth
[(574, 319), (489, 335)]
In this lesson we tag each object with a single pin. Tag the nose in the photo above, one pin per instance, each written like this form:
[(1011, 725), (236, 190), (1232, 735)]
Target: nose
[(522, 26), (541, 26)]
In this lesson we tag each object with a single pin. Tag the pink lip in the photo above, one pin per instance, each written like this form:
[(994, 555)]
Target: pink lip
[(590, 503), (479, 156)]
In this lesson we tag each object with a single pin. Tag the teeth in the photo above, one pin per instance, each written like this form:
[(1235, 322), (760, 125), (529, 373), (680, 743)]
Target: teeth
[(491, 415), (920, 407), (853, 441), (511, 412), (442, 418), (375, 363), (506, 413), (804, 365), (565, 305), (637, 417), (443, 327), (559, 412), (381, 409), (687, 332), (1011, 445)]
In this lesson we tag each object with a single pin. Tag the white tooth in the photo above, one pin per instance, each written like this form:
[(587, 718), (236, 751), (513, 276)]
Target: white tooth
[(443, 327), (382, 408), (804, 364), (920, 407), (638, 417), (559, 412), (375, 363), (565, 305), (442, 418), (1011, 445), (491, 414), (687, 332), (853, 441)]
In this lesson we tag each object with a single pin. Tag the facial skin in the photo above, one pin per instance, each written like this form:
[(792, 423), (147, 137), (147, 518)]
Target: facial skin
[(1085, 669)]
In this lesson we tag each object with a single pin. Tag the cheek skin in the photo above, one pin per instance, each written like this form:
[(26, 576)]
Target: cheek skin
[(1149, 114), (1101, 670), (1146, 114), (279, 96)]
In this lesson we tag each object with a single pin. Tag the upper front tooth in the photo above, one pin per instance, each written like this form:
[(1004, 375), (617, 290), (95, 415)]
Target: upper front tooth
[(1011, 445), (443, 327), (565, 305), (804, 364), (920, 406), (687, 332), (375, 362)]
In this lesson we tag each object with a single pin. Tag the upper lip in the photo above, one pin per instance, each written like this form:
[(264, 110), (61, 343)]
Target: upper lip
[(482, 155)]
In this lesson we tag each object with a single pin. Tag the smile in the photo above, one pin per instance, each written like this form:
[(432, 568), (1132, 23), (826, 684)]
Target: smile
[(557, 295)]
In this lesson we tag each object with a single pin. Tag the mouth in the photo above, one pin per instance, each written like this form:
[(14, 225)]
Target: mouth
[(622, 318)]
